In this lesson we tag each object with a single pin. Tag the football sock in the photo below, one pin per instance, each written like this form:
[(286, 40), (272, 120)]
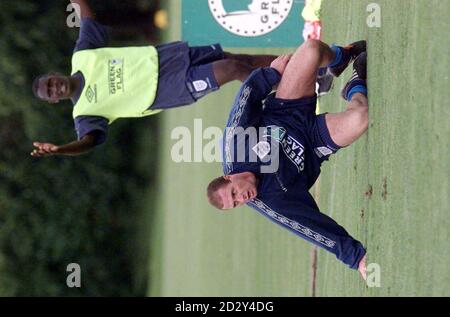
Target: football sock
[(338, 56)]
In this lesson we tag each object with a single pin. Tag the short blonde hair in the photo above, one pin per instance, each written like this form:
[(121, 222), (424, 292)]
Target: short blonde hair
[(212, 191)]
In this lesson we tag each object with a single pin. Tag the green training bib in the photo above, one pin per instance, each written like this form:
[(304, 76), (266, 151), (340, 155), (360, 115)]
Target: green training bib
[(119, 82)]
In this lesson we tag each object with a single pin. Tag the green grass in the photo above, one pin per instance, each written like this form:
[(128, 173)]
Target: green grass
[(403, 157), (197, 251)]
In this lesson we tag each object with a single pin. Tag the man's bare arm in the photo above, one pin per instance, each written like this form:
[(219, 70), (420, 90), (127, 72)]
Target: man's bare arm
[(85, 9), (75, 148)]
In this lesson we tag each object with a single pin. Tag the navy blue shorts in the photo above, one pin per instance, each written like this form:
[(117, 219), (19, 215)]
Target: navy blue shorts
[(200, 78), (301, 115)]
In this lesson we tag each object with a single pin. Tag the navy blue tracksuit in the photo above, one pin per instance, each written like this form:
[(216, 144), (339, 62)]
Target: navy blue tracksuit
[(300, 137)]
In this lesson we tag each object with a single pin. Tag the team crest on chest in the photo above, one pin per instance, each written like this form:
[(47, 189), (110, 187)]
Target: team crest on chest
[(262, 149), (275, 132)]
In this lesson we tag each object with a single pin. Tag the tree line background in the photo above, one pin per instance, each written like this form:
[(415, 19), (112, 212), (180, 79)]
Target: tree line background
[(59, 210)]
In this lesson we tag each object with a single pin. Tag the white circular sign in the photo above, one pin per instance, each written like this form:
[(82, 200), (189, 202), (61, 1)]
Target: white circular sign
[(250, 18)]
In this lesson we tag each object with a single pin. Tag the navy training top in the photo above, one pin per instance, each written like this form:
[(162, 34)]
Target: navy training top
[(283, 194)]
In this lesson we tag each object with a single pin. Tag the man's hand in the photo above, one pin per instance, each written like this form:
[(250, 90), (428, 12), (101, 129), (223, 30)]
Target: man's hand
[(362, 267), (75, 148), (44, 149), (281, 62)]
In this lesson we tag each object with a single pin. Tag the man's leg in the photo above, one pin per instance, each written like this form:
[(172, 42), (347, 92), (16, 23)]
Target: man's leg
[(239, 66), (299, 78), (254, 61), (346, 127), (227, 70), (324, 80)]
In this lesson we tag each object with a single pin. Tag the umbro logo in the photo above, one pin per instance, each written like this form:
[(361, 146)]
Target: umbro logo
[(91, 93)]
